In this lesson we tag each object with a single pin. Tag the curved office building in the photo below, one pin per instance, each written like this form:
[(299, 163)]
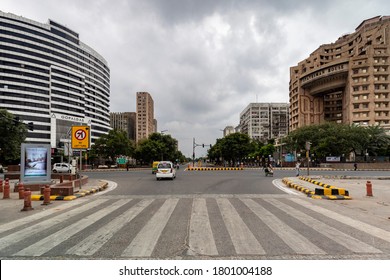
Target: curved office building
[(51, 78)]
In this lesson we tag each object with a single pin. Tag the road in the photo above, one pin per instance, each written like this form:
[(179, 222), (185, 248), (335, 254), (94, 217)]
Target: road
[(199, 215)]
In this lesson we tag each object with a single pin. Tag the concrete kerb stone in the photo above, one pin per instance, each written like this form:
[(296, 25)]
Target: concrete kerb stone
[(80, 193)]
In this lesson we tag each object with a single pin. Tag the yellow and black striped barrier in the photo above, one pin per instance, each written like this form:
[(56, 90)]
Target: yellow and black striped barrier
[(213, 168), (298, 187), (327, 191)]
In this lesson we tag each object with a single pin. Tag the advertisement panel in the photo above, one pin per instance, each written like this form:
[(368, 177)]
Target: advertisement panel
[(35, 163)]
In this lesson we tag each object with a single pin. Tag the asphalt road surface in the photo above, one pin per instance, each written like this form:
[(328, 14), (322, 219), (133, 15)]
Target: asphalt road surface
[(199, 215)]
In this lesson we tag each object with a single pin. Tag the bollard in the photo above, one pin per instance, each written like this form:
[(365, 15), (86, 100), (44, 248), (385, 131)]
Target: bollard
[(6, 189), (46, 195), (21, 190), (369, 188), (1, 185), (61, 178), (27, 200)]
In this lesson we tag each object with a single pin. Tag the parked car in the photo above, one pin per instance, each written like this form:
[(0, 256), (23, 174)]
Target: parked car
[(165, 169), (62, 168)]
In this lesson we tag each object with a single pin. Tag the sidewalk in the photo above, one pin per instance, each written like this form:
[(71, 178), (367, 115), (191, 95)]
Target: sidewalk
[(10, 208), (378, 204)]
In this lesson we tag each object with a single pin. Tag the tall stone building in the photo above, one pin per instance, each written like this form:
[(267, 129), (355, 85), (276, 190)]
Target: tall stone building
[(346, 81), (126, 122), (145, 115), (265, 121)]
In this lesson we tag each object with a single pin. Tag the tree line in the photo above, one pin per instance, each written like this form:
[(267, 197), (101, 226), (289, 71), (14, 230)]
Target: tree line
[(328, 139)]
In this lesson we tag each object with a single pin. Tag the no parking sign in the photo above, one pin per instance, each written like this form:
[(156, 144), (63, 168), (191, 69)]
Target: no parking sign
[(80, 137)]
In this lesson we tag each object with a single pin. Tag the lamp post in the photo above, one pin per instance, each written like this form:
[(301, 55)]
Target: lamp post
[(162, 133)]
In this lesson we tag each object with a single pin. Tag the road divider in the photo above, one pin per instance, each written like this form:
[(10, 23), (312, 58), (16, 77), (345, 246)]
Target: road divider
[(213, 168), (327, 192)]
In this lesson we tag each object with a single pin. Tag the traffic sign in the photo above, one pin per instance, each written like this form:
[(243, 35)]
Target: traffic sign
[(80, 137)]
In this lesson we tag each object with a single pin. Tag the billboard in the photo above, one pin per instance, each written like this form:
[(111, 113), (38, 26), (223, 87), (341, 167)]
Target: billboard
[(35, 165)]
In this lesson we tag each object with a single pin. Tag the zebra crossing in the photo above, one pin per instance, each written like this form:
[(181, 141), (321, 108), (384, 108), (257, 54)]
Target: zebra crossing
[(210, 226)]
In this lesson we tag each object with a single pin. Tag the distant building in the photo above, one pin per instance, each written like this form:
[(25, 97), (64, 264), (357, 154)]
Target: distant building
[(345, 82), (265, 121), (228, 130), (145, 116), (126, 122)]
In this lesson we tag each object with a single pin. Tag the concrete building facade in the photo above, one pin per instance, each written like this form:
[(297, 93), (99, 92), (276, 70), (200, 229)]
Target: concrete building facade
[(51, 78), (145, 116), (124, 121), (265, 121), (347, 81)]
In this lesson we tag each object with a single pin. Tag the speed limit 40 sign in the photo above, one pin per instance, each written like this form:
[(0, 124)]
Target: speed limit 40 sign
[(80, 137)]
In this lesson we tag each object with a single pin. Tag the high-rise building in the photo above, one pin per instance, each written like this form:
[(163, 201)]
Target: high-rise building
[(126, 122), (145, 115), (52, 79), (347, 81), (265, 121)]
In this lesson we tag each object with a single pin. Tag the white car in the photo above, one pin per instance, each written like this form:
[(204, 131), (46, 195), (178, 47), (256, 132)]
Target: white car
[(165, 169), (62, 168)]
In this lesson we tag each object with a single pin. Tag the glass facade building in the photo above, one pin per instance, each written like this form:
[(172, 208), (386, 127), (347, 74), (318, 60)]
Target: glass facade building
[(51, 78)]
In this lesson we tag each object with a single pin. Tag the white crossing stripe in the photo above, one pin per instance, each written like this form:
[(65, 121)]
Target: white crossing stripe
[(95, 241), (297, 242), (243, 240), (22, 221), (145, 241), (42, 226), (201, 239), (364, 227), (337, 236), (46, 244)]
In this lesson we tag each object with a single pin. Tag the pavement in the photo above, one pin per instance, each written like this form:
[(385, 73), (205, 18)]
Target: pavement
[(358, 197), (11, 208)]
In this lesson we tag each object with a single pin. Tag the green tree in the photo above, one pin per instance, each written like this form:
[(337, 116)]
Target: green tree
[(112, 145), (236, 146), (158, 147), (13, 133)]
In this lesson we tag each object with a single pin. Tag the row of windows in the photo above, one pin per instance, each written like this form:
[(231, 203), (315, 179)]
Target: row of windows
[(24, 66), (67, 109), (30, 117), (23, 81), (24, 103), (26, 96), (61, 86), (54, 39), (24, 88), (64, 61), (67, 101), (66, 95), (25, 74)]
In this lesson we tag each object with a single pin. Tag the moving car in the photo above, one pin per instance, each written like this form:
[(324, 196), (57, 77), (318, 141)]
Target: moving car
[(62, 168), (165, 169)]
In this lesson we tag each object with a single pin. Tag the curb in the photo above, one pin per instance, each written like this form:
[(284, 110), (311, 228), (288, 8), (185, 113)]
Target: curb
[(80, 193)]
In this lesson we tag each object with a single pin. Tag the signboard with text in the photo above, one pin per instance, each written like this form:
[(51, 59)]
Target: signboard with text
[(80, 137)]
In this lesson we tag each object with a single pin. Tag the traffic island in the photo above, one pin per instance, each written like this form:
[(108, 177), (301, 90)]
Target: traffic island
[(327, 191)]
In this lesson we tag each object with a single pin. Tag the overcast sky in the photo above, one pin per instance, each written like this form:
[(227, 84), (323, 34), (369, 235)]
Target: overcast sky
[(203, 61)]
